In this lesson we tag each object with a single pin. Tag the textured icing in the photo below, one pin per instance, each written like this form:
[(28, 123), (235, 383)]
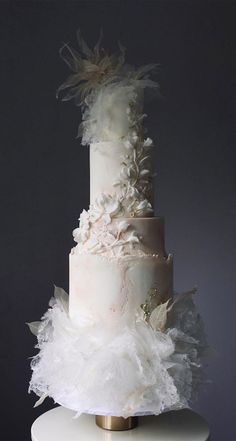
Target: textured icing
[(103, 288)]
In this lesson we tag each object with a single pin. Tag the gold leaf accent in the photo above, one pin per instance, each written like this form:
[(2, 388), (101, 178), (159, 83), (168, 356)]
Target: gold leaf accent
[(146, 310), (152, 300)]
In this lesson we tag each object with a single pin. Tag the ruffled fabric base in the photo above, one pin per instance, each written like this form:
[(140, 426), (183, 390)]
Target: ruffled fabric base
[(128, 369)]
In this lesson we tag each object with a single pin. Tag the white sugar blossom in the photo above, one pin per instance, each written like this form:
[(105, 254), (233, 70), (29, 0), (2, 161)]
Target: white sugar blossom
[(148, 142), (84, 219), (122, 227), (80, 234), (106, 204)]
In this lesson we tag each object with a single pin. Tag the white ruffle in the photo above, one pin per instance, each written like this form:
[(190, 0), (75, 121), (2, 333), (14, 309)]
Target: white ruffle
[(129, 369)]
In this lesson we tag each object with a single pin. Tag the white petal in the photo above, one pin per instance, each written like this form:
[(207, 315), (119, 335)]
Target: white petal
[(144, 172), (113, 208), (106, 218), (143, 204), (123, 226), (75, 232), (133, 238), (40, 400), (148, 142)]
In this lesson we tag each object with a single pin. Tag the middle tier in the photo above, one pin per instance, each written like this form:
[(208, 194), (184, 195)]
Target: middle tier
[(123, 171)]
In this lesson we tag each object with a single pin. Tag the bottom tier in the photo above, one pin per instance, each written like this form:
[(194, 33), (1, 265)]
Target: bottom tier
[(104, 288)]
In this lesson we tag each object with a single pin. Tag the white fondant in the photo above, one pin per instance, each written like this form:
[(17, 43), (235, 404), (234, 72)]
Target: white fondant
[(105, 167), (102, 288)]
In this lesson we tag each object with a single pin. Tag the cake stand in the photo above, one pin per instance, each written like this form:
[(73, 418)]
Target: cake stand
[(59, 425)]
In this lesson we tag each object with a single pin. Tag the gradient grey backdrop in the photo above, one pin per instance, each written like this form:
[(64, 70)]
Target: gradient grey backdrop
[(45, 175)]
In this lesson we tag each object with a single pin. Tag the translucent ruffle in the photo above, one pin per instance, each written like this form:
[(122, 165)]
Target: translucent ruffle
[(129, 369)]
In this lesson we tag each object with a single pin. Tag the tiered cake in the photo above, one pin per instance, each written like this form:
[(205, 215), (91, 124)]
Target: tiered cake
[(123, 344), (120, 257)]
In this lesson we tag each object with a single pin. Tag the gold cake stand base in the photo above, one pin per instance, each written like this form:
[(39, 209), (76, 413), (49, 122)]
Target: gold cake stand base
[(116, 423)]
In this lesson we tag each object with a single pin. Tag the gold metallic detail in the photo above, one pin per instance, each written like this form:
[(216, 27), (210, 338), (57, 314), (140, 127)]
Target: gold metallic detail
[(116, 423), (151, 302)]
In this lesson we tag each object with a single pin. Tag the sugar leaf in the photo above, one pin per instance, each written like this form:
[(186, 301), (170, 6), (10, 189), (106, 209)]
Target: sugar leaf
[(41, 400), (144, 172), (158, 316), (34, 327), (61, 295)]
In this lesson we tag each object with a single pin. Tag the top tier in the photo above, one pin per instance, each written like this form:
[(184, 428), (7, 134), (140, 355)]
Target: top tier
[(110, 93), (120, 162)]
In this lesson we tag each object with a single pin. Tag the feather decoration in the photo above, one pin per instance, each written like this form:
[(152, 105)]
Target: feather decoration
[(91, 68), (94, 68)]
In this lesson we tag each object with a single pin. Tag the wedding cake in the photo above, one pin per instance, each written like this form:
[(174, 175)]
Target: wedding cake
[(122, 343)]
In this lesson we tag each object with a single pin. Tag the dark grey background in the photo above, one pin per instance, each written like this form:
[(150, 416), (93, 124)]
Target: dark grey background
[(45, 175)]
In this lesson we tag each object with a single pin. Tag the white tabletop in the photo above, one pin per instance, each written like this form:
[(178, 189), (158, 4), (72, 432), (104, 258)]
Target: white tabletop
[(59, 425)]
